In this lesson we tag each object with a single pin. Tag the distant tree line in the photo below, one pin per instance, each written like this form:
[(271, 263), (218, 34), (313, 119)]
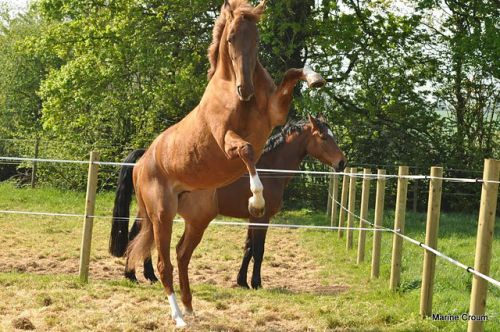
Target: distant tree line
[(409, 83)]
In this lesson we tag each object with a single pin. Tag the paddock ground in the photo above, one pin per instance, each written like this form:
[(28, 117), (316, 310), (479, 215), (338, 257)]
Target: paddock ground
[(311, 283)]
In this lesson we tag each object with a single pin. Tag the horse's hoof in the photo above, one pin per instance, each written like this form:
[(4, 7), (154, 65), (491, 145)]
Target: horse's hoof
[(180, 323), (242, 284), (152, 279), (256, 212), (189, 313), (315, 81), (130, 275), (256, 285)]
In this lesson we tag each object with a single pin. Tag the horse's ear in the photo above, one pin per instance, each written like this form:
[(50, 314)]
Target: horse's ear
[(259, 9), (313, 121), (321, 117)]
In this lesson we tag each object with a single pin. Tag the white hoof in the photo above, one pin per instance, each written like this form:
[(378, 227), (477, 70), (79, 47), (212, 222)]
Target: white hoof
[(257, 202), (180, 323), (256, 211)]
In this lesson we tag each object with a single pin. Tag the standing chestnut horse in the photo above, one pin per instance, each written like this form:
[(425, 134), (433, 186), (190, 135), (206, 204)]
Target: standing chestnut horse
[(285, 150), (212, 146)]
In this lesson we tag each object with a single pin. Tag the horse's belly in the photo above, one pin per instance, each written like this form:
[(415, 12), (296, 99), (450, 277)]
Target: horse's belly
[(210, 174), (201, 165)]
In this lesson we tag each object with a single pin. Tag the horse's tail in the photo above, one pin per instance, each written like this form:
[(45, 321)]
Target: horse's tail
[(140, 247), (118, 240)]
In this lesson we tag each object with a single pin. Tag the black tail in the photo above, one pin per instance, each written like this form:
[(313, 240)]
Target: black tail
[(118, 240)]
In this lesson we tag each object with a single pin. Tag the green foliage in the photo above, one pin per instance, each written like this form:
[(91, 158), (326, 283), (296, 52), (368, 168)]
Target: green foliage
[(415, 85)]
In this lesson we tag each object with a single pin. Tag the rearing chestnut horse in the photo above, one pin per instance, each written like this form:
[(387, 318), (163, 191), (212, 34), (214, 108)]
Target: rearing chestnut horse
[(285, 150), (212, 146)]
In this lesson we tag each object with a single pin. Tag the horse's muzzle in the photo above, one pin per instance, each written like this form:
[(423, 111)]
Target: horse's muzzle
[(341, 166), (244, 94)]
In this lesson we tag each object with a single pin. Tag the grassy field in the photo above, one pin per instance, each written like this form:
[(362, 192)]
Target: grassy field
[(311, 283)]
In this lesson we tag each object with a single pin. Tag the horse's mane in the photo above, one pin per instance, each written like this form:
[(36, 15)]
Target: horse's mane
[(239, 7), (291, 127), (279, 139)]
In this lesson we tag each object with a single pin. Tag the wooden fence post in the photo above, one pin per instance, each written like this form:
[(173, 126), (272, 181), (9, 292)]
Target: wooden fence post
[(399, 225), (334, 199), (365, 198), (343, 200), (485, 230), (35, 165), (352, 206), (89, 216), (329, 199), (379, 217), (431, 238)]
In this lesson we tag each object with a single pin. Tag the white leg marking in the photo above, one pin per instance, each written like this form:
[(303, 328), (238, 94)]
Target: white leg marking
[(176, 312), (257, 199)]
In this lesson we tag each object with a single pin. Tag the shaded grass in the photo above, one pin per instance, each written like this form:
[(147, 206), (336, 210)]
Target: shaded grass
[(58, 301)]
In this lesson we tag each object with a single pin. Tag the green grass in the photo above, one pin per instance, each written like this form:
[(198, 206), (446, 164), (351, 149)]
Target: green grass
[(373, 303), (52, 298)]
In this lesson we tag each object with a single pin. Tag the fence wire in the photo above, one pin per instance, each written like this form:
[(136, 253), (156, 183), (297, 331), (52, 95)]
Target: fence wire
[(266, 170), (422, 245)]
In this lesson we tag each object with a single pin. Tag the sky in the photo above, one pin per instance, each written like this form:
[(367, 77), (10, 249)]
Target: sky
[(16, 5)]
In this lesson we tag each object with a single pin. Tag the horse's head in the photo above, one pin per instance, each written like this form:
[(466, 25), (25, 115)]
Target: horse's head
[(242, 39), (322, 144)]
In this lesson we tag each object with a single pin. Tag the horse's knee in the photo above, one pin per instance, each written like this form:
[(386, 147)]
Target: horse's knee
[(165, 270), (246, 151)]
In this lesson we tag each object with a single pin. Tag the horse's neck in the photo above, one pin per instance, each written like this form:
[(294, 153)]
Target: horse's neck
[(223, 68), (291, 154)]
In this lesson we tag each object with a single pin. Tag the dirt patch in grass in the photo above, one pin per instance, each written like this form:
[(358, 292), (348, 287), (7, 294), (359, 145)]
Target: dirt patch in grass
[(23, 323), (287, 266), (288, 272)]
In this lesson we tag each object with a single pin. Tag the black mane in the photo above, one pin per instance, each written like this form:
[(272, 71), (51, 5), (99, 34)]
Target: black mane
[(278, 139)]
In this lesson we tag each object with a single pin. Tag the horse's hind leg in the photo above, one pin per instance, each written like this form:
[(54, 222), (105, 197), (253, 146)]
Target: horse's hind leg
[(198, 209), (188, 242), (163, 234), (161, 205)]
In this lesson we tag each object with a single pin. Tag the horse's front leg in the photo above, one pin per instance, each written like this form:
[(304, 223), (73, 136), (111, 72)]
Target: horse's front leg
[(236, 146), (258, 243), (247, 256), (281, 99)]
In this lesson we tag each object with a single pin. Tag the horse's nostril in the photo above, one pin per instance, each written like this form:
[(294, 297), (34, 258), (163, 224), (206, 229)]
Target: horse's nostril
[(341, 165), (239, 90)]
